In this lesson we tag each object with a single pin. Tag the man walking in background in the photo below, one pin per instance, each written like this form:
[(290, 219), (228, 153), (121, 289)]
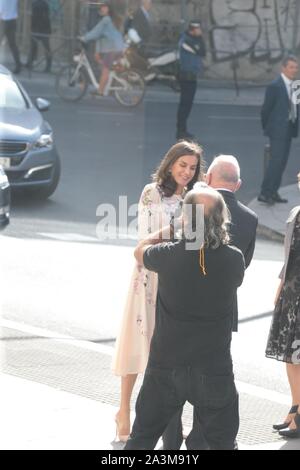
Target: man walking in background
[(40, 31), (9, 16), (141, 22), (191, 51), (280, 118)]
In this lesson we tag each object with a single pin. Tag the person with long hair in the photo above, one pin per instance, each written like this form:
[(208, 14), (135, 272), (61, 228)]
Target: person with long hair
[(160, 202), (284, 338), (110, 43)]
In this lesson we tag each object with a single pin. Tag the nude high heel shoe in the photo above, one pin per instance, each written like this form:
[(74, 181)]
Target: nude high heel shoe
[(121, 437)]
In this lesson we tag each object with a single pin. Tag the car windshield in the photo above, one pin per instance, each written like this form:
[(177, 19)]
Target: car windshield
[(10, 94)]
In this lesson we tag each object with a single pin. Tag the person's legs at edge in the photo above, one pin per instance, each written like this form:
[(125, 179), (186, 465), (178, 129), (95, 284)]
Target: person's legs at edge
[(123, 415), (293, 373)]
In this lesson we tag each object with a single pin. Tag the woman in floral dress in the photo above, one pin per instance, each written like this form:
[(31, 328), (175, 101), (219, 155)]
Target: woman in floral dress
[(159, 204), (284, 339)]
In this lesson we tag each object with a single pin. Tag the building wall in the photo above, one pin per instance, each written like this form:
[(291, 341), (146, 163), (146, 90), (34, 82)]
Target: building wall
[(250, 35)]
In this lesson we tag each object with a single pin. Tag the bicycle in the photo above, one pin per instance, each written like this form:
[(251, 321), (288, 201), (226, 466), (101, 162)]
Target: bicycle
[(125, 84)]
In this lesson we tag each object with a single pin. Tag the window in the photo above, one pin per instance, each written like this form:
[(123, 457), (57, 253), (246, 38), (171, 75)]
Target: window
[(10, 94)]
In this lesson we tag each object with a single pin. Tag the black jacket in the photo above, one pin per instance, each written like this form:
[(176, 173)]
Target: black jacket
[(40, 20), (275, 112), (243, 232), (142, 25)]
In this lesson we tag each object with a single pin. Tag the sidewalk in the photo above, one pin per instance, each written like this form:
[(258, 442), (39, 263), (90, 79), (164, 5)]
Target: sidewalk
[(38, 417), (272, 219), (59, 393)]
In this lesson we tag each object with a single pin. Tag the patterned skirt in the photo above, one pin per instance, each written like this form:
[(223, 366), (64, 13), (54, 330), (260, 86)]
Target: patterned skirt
[(284, 338)]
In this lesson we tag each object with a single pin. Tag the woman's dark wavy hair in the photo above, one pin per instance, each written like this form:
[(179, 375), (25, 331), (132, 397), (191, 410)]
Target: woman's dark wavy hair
[(163, 176), (118, 12)]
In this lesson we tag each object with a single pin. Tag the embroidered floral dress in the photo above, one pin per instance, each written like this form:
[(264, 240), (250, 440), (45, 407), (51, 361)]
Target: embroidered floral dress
[(284, 339), (133, 342)]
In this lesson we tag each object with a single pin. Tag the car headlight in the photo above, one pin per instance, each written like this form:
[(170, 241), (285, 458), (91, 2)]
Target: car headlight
[(45, 140)]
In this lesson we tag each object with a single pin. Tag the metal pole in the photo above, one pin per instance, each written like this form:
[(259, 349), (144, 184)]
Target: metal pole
[(295, 29), (183, 19)]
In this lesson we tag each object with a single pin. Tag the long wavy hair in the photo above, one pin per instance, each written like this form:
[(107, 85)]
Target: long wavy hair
[(216, 225), (118, 11), (163, 176), (216, 221)]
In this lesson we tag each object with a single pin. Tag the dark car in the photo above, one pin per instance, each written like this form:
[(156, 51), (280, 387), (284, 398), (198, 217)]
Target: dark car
[(4, 199), (27, 151)]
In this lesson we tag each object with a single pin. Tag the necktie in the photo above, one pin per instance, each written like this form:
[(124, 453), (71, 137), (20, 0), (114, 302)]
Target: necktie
[(293, 105)]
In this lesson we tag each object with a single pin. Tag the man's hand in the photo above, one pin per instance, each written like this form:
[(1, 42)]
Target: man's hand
[(165, 234)]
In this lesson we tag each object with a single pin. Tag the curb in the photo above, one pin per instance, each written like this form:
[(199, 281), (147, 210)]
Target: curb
[(269, 233)]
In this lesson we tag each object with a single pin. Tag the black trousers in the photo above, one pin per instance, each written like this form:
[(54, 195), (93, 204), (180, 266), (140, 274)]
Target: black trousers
[(34, 48), (173, 435), (163, 394), (280, 150), (10, 28), (188, 90)]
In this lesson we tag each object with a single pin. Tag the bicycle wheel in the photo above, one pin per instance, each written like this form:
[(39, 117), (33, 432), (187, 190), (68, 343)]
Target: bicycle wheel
[(71, 83), (132, 88)]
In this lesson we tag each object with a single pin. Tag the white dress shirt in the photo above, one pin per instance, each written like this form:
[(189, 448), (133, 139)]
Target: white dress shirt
[(289, 83), (8, 10)]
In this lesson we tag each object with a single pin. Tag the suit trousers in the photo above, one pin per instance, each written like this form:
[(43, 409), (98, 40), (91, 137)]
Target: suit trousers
[(188, 90), (10, 28), (44, 39), (164, 393), (280, 150)]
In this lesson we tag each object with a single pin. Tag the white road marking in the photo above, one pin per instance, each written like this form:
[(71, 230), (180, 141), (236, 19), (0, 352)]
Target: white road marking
[(235, 118), (68, 237), (36, 331), (242, 387)]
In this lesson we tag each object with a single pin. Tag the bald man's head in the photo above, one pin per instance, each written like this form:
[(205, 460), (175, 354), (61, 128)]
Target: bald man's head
[(224, 173)]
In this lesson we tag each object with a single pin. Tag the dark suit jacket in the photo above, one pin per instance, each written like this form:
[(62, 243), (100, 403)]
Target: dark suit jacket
[(40, 20), (142, 25), (275, 112), (243, 232)]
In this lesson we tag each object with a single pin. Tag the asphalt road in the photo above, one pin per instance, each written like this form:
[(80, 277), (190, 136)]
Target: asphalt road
[(108, 151)]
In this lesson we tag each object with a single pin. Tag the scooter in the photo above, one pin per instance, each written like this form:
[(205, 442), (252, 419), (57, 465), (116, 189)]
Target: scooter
[(162, 66)]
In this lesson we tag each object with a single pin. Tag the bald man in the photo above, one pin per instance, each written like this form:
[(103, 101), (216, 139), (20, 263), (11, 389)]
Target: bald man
[(224, 175), (190, 357)]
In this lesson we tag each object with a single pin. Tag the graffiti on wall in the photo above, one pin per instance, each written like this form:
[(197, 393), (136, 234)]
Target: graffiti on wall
[(263, 30)]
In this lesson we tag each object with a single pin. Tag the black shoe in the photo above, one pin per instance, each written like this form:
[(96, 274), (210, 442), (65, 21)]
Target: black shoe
[(266, 199), (278, 199), (292, 433), (281, 426)]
